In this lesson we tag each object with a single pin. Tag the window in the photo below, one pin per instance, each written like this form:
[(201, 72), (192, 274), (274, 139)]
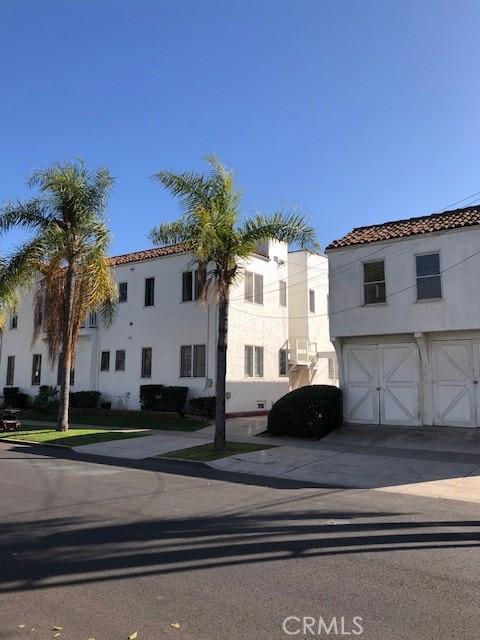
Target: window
[(10, 370), (123, 292), (185, 361), (37, 317), (374, 282), (283, 293), (146, 362), (253, 287), (105, 361), (192, 284), (283, 362), (311, 300), (259, 362), (248, 361), (92, 319), (59, 372), (13, 321), (149, 292), (195, 367), (187, 286), (36, 369), (332, 368), (199, 353), (429, 284), (120, 360), (253, 361)]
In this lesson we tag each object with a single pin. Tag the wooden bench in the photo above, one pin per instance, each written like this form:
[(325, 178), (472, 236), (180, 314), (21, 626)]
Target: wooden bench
[(9, 420)]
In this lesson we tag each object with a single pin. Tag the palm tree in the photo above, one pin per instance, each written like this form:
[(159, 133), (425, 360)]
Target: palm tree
[(64, 261), (220, 244)]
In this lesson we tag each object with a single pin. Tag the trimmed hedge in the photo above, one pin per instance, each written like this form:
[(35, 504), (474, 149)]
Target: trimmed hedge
[(85, 399), (157, 397), (307, 412), (13, 398), (203, 406), (46, 398)]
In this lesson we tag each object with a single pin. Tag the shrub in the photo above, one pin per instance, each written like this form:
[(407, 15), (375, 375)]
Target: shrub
[(85, 399), (151, 397), (157, 397), (46, 398), (13, 398), (106, 405), (308, 412), (203, 406)]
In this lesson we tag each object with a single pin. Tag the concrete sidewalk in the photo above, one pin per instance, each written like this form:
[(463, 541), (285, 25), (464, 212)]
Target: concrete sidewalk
[(433, 462)]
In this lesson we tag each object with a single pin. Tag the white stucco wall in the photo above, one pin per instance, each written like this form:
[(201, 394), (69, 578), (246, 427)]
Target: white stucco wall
[(458, 309), (171, 323)]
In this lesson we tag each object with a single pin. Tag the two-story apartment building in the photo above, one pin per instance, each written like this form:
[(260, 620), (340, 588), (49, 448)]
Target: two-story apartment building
[(162, 334), (405, 320)]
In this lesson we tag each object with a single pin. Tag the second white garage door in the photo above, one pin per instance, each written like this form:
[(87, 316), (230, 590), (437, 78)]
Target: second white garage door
[(456, 372), (381, 384)]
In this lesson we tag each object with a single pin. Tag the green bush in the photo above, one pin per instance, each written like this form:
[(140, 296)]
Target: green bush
[(46, 398), (307, 412), (13, 398), (85, 399), (203, 406), (157, 397)]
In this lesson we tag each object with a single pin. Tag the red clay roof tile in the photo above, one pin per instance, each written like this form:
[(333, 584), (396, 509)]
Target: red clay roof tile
[(467, 217)]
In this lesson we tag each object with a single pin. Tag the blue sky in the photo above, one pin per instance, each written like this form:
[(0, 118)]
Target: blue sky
[(354, 112)]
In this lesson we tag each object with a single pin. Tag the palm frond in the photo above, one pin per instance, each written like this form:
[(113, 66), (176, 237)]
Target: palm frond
[(191, 189), (167, 233), (290, 228)]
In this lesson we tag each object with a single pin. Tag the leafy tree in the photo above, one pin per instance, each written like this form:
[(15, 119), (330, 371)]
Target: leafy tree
[(64, 261), (211, 230)]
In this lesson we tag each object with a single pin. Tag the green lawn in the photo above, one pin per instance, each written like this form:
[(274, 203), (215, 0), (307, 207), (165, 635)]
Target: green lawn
[(207, 452), (128, 419), (72, 438)]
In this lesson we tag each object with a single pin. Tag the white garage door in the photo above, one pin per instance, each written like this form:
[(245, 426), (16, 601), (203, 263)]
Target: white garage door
[(381, 384), (455, 368)]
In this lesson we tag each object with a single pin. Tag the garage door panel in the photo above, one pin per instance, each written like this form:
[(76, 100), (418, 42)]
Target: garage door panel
[(399, 406), (362, 405), (454, 394), (361, 365), (399, 364)]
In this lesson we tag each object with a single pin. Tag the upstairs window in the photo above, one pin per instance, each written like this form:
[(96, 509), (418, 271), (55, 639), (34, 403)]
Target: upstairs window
[(37, 317), (13, 321), (123, 292), (283, 293), (253, 287), (92, 319), (192, 284), (429, 283), (311, 300), (374, 282), (10, 370), (105, 361), (36, 369), (149, 292)]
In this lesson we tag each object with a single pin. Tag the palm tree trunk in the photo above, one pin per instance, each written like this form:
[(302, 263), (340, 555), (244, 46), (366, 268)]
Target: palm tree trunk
[(221, 372), (66, 355)]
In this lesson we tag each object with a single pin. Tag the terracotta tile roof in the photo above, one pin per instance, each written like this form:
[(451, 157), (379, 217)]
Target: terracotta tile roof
[(467, 217), (148, 254)]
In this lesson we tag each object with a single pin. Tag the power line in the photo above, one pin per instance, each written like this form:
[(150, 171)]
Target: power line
[(388, 296)]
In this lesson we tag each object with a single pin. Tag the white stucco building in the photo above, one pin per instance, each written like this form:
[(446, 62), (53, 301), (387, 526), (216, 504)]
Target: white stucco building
[(278, 334), (405, 320)]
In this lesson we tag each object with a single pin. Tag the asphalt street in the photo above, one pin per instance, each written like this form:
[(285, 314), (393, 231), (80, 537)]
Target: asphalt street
[(102, 549)]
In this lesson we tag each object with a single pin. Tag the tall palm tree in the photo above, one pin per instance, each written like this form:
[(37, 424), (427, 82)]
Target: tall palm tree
[(64, 261), (220, 244)]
